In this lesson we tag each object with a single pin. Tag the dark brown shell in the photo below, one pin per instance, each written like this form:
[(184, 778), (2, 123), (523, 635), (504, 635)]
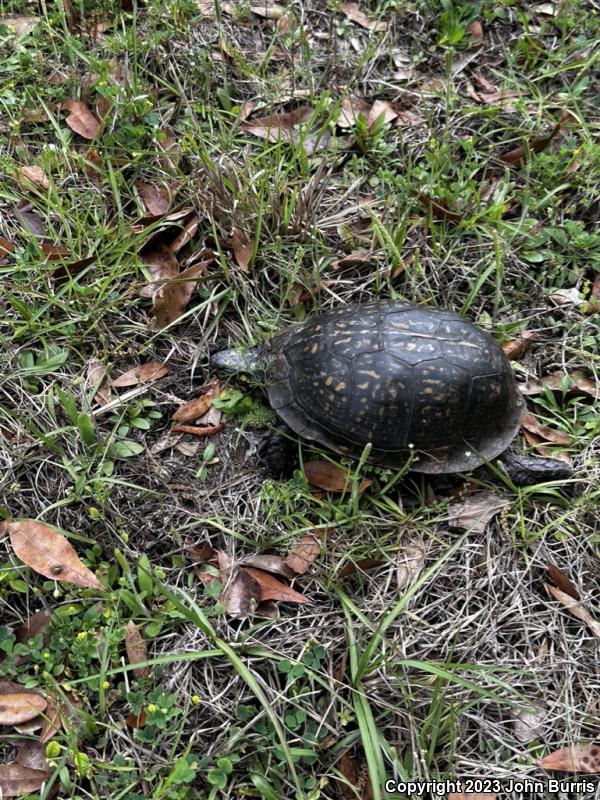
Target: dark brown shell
[(402, 377)]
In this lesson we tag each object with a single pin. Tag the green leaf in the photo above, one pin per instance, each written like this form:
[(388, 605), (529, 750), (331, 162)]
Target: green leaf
[(144, 574), (534, 256), (87, 431), (126, 449), (141, 423)]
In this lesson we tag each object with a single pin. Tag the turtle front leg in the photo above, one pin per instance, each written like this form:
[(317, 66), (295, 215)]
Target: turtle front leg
[(277, 453), (524, 470)]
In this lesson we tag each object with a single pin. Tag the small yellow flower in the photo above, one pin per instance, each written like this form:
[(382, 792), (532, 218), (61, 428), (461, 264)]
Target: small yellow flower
[(105, 685), (151, 708), (196, 700), (82, 635)]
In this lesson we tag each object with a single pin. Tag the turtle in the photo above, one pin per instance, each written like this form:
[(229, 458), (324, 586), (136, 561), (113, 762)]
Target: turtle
[(402, 380)]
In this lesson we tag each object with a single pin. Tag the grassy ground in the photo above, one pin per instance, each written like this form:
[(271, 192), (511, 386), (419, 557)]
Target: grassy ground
[(388, 672)]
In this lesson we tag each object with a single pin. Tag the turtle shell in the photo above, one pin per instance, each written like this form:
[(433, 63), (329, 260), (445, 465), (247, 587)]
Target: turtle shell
[(402, 377)]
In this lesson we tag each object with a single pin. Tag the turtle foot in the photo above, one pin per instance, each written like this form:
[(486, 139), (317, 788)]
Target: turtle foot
[(524, 470)]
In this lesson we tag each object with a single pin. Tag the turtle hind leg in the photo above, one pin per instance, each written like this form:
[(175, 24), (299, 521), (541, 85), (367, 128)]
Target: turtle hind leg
[(524, 470), (277, 455)]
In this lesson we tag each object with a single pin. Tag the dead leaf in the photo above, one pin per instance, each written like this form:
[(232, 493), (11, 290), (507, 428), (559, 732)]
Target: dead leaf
[(53, 718), (240, 596), (268, 563), (48, 552), (149, 372), (529, 723), (530, 423), (476, 511), (577, 758), (54, 252), (268, 10), (516, 157), (6, 247), (17, 780), (37, 623), (185, 235), (162, 265), (280, 126), (561, 580), (411, 560), (272, 589), (475, 31), (196, 408), (96, 380), (20, 707), (201, 552), (304, 553), (31, 755), (207, 431), (29, 215), (408, 119), (80, 119), (66, 272), (433, 86), (172, 297), (384, 109), (242, 247), (438, 209), (355, 259), (35, 175), (331, 477), (361, 565), (517, 348), (21, 25), (156, 199), (352, 108), (575, 607), (136, 649), (354, 13), (136, 720), (576, 382)]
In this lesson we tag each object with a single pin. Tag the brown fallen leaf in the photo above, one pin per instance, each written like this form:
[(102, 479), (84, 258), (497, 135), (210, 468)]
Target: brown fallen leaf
[(475, 31), (528, 724), (196, 408), (30, 216), (186, 234), (282, 125), (476, 511), (162, 265), (352, 108), (331, 477), (355, 259), (32, 756), (517, 348), (80, 119), (516, 157), (17, 780), (145, 373), (575, 382), (267, 9), (268, 563), (54, 252), (36, 623), (97, 381), (48, 552), (438, 209), (242, 247), (156, 199), (382, 109), (34, 175), (304, 553), (361, 565), (408, 119), (575, 607), (201, 552), (530, 423), (354, 13), (6, 247), (240, 594), (209, 430), (172, 297), (136, 720), (21, 24), (20, 707), (136, 649), (348, 787), (577, 758), (561, 580), (272, 589), (53, 718)]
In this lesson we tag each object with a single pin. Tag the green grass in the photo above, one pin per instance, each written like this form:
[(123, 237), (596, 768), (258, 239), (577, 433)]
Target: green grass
[(407, 681)]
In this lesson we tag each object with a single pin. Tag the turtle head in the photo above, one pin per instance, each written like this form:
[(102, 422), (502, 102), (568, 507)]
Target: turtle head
[(235, 360)]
